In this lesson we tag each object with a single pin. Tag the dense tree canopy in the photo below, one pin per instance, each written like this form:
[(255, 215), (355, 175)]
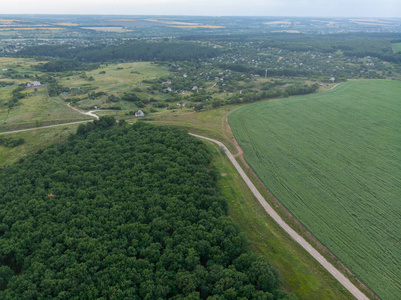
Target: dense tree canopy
[(62, 65), (123, 212), (130, 50)]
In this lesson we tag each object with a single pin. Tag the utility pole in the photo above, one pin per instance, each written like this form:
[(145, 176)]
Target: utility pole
[(266, 74)]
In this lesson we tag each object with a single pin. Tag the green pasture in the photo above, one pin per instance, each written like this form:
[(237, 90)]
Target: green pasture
[(117, 76), (208, 122), (117, 79), (37, 109), (34, 140), (334, 160), (20, 65)]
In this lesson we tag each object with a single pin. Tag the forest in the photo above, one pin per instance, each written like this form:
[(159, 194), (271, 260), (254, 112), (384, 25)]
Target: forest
[(127, 51), (124, 212), (352, 44), (62, 65)]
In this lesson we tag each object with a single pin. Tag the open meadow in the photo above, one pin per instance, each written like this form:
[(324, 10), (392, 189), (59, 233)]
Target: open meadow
[(396, 47), (37, 109), (33, 141), (334, 160), (113, 79)]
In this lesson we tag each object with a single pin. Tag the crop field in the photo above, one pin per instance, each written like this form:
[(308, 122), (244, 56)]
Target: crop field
[(302, 274), (334, 160)]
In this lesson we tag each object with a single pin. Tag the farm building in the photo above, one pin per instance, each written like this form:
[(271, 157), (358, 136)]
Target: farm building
[(139, 113), (35, 83)]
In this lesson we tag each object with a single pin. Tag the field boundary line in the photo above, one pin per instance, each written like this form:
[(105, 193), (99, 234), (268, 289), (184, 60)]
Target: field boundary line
[(297, 237)]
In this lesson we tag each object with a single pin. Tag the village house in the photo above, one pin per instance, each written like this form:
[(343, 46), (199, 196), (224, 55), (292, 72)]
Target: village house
[(139, 113), (35, 84)]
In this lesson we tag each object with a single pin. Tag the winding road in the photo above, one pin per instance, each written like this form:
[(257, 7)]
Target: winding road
[(89, 113), (299, 239)]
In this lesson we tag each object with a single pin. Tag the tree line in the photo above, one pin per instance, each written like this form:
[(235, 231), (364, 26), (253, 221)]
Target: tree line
[(63, 65), (127, 51)]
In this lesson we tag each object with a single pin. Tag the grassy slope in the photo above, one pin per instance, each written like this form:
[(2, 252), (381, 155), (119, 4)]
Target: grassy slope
[(39, 109), (333, 160), (116, 80), (36, 110), (34, 140), (207, 123)]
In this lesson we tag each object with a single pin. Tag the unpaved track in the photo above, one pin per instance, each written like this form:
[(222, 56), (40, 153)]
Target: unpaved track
[(89, 113), (299, 239), (48, 126)]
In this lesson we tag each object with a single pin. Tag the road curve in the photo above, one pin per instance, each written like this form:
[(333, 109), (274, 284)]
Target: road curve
[(89, 113), (299, 239)]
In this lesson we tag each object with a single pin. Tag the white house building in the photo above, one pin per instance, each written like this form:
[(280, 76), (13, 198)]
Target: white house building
[(139, 113)]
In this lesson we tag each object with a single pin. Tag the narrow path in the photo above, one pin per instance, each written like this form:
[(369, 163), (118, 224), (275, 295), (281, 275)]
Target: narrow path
[(212, 86), (334, 86), (89, 113), (299, 239), (41, 127)]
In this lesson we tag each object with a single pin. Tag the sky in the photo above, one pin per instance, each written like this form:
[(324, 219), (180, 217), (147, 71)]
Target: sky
[(301, 8)]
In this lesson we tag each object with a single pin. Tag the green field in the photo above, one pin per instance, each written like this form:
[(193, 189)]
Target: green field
[(35, 110), (34, 140), (334, 160), (396, 47)]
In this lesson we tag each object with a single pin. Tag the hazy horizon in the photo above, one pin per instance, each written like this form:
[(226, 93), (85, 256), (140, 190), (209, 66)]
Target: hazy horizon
[(251, 8)]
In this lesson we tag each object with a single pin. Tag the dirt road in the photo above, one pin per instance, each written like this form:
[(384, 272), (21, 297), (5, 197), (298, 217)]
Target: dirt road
[(48, 126), (89, 113), (299, 239)]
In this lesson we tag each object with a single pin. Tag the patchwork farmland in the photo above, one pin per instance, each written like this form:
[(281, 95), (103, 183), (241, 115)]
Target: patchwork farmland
[(334, 160)]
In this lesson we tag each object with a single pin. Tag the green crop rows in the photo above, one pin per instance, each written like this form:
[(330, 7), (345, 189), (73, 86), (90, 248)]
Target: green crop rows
[(334, 160)]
